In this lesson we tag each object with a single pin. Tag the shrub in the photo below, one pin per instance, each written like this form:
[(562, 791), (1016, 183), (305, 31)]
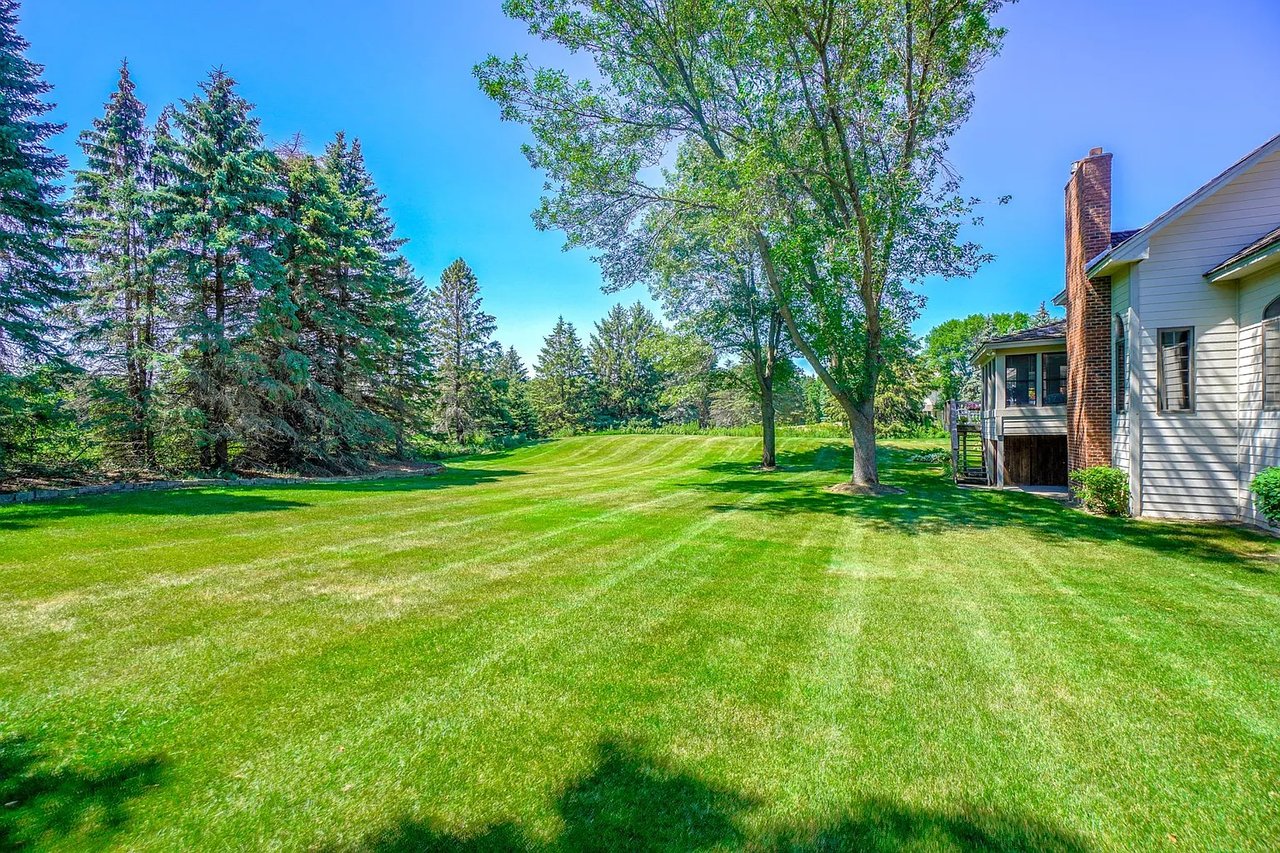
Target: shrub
[(1102, 489), (1266, 493)]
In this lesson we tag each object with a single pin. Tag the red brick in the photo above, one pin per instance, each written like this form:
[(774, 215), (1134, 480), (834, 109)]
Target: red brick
[(1088, 234)]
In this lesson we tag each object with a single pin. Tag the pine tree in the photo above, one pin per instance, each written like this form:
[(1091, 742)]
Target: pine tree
[(511, 382), (294, 421), (1042, 317), (119, 311), (33, 223), (461, 342), (625, 376), (404, 397), (216, 216), (363, 277), (561, 391)]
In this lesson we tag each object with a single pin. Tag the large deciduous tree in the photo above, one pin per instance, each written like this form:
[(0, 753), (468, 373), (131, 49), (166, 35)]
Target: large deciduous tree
[(817, 131)]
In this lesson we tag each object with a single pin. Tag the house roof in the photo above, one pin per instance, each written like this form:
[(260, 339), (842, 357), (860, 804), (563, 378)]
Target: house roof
[(1047, 332), (1118, 237), (1259, 253), (1050, 333), (1133, 248)]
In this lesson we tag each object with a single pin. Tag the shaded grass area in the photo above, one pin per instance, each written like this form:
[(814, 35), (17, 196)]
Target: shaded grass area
[(633, 642)]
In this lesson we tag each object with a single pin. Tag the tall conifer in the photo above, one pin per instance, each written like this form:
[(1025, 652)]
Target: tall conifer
[(111, 203), (216, 214), (461, 340), (561, 390), (33, 223)]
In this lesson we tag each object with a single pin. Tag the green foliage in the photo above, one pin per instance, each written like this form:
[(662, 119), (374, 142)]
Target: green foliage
[(1102, 489), (1266, 493), (461, 341), (561, 389), (620, 357), (43, 426), (839, 181), (949, 346), (33, 223), (685, 366), (216, 217), (118, 316)]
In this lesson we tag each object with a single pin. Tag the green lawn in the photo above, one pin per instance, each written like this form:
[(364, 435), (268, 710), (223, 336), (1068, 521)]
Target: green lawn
[(634, 642)]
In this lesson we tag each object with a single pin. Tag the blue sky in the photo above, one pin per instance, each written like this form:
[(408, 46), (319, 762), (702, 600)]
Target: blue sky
[(1178, 89)]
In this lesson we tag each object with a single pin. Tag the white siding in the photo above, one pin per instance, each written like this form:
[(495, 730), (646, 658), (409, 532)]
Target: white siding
[(1259, 429), (1190, 464)]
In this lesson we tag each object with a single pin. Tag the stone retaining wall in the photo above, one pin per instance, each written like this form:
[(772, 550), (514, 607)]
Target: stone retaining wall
[(162, 485)]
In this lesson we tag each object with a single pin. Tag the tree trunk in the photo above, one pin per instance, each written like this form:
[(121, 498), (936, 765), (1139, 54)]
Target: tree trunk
[(768, 451), (862, 420), (220, 414)]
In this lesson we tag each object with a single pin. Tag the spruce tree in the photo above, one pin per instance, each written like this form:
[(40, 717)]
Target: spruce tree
[(33, 223), (216, 216), (461, 341), (515, 408), (294, 422), (119, 310), (363, 278), (623, 370), (403, 396), (561, 391)]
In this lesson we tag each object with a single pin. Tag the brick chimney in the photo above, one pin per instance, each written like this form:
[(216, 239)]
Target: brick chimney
[(1088, 313)]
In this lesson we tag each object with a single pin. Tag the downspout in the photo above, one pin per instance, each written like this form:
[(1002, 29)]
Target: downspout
[(1135, 395)]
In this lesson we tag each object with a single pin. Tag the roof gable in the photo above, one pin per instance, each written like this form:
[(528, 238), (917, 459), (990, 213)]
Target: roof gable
[(1134, 247)]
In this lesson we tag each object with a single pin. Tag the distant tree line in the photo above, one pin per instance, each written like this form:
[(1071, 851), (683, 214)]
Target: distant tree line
[(199, 300)]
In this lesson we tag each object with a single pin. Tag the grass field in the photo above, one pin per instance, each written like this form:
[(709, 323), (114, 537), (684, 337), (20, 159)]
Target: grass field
[(633, 642)]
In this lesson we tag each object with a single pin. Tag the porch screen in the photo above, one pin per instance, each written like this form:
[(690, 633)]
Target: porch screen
[(1177, 366), (1055, 378), (1020, 380)]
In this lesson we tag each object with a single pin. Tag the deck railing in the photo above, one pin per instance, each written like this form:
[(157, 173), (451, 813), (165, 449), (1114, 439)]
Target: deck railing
[(968, 459)]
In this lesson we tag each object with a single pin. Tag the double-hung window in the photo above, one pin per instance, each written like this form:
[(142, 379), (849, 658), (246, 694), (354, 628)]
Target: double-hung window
[(1271, 356), (1119, 363), (1175, 379)]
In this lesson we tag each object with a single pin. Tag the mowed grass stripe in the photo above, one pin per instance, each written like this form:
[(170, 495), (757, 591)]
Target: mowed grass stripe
[(598, 640)]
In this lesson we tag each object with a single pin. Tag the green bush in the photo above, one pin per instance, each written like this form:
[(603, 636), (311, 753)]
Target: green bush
[(1266, 493), (1102, 489)]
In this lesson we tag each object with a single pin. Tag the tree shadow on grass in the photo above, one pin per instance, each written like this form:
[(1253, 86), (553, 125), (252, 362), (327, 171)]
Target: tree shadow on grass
[(231, 498), (931, 504), (43, 799), (630, 801)]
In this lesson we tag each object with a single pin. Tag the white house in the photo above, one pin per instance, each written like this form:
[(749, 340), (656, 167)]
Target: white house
[(1172, 344)]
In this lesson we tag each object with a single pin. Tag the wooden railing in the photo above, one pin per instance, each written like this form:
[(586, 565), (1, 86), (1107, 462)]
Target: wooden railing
[(964, 423)]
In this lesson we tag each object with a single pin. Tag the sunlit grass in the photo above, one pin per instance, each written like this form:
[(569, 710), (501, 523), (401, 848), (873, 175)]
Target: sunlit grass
[(633, 641)]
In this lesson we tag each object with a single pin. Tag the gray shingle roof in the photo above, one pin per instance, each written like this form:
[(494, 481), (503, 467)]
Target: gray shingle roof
[(1118, 237), (1266, 241), (1047, 332)]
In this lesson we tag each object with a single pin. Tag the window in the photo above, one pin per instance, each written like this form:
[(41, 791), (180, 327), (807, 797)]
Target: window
[(1120, 365), (1176, 376), (1271, 356), (1055, 378), (1020, 380)]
